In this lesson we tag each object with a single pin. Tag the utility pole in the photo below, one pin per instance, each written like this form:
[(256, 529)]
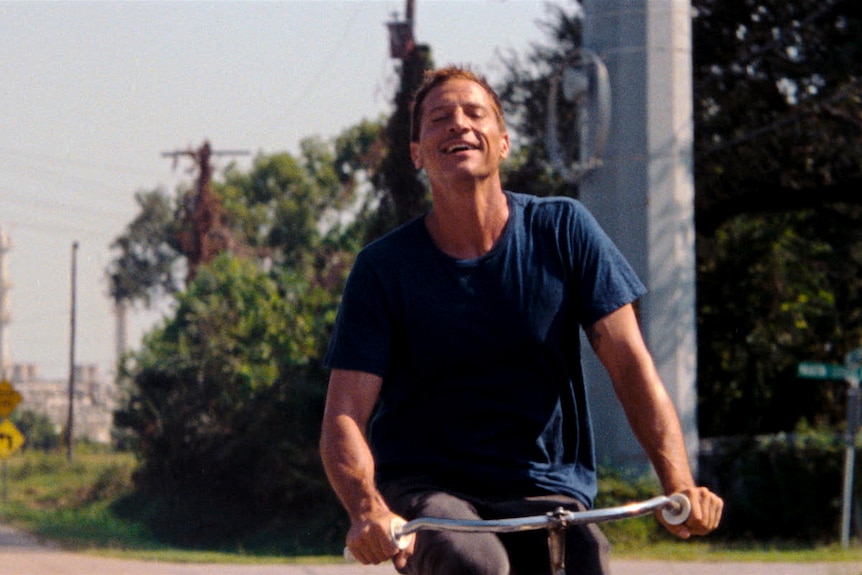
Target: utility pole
[(70, 423), (643, 196), (401, 39), (204, 234), (408, 194)]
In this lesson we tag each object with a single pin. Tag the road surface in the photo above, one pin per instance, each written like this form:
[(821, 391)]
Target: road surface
[(20, 554)]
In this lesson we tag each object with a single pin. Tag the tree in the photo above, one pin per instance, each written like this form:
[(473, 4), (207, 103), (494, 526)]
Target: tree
[(222, 389), (147, 252), (223, 400), (793, 295), (524, 93), (402, 195), (37, 428), (778, 162), (278, 212), (777, 107)]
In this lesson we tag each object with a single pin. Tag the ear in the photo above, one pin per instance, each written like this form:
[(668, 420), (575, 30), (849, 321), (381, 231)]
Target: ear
[(414, 155), (504, 146)]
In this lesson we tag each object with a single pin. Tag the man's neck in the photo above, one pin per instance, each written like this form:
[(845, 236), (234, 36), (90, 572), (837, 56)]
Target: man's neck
[(466, 223)]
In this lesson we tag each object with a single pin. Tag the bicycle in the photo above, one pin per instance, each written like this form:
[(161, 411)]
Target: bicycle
[(675, 509)]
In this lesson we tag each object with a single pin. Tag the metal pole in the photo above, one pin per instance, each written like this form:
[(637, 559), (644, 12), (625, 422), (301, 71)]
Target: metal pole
[(70, 424), (410, 9), (852, 365), (853, 398)]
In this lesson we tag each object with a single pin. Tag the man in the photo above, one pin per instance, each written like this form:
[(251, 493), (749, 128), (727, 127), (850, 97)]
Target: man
[(456, 387)]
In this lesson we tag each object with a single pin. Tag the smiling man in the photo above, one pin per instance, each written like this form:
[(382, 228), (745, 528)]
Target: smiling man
[(456, 387)]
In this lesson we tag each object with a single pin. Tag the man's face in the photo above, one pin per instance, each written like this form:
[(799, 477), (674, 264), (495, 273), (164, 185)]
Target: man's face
[(459, 134)]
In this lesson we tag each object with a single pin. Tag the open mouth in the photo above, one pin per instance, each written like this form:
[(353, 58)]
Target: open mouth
[(458, 147)]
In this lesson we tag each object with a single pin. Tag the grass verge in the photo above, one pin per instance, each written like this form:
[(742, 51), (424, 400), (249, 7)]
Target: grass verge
[(90, 505)]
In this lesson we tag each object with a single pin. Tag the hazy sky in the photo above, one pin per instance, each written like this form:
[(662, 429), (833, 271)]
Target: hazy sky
[(93, 92)]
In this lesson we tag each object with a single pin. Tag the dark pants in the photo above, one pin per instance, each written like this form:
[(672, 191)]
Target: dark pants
[(521, 553)]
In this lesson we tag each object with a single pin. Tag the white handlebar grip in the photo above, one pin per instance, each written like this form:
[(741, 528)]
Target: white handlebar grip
[(680, 514), (402, 541)]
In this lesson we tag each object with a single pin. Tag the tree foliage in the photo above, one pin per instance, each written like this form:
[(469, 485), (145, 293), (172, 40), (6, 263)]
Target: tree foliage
[(524, 93), (40, 432), (775, 291), (778, 127), (143, 267), (777, 106), (225, 397), (225, 393), (402, 195)]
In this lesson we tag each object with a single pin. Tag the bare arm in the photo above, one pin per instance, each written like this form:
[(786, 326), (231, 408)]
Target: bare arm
[(619, 345), (349, 465)]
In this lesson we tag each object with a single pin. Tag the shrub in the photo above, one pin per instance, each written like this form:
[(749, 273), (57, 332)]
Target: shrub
[(785, 486)]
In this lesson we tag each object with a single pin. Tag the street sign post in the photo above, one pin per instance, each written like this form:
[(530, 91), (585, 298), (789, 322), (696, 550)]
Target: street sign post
[(850, 372)]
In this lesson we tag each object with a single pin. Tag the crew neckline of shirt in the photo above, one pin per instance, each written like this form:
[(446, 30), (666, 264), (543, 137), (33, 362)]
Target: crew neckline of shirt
[(496, 248)]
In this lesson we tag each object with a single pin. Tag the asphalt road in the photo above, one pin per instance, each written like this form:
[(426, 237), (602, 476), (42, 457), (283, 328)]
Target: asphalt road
[(22, 555)]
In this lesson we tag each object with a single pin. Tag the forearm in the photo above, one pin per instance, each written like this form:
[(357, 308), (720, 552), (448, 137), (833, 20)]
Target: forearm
[(349, 467), (656, 426), (648, 407), (652, 416)]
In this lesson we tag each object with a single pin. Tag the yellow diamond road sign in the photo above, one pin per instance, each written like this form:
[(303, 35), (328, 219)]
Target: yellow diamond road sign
[(9, 398), (11, 439)]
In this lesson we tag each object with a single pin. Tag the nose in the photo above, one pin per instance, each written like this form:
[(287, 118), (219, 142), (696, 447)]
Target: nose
[(458, 121)]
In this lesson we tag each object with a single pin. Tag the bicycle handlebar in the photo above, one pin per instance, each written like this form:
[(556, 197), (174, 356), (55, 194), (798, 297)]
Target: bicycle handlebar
[(675, 509)]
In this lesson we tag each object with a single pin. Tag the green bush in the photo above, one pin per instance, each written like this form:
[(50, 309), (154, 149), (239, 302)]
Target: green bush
[(617, 487), (786, 486), (37, 429)]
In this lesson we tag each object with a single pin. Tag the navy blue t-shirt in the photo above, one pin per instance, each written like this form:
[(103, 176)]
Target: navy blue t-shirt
[(483, 389)]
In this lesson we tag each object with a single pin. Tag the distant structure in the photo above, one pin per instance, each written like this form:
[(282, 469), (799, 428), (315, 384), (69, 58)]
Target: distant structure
[(5, 313), (95, 399), (643, 196), (121, 329)]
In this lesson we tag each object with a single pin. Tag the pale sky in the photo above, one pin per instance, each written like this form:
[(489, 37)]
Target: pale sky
[(93, 92)]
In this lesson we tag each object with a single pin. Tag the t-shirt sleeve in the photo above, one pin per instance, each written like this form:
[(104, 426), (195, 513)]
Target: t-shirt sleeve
[(361, 338), (606, 279)]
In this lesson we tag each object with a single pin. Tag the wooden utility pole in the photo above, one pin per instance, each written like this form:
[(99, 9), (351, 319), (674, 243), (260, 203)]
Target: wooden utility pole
[(408, 194), (204, 234), (401, 40)]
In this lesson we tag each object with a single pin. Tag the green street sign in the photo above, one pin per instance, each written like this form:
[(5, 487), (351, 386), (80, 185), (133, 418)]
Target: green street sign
[(817, 370)]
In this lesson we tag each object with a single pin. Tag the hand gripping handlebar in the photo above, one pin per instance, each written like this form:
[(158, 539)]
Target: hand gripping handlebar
[(675, 509)]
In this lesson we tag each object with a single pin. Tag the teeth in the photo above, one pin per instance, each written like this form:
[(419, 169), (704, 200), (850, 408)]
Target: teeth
[(458, 148)]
